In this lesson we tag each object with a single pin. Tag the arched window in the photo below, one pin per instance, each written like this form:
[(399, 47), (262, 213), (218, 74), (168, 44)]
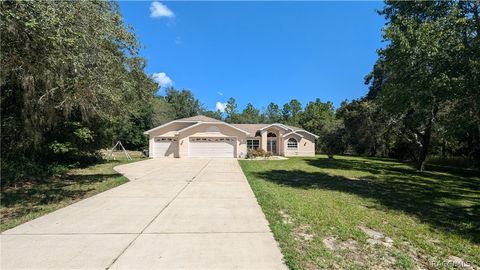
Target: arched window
[(292, 143), (271, 134)]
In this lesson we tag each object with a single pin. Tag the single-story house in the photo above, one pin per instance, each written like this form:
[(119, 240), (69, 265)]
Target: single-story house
[(202, 136)]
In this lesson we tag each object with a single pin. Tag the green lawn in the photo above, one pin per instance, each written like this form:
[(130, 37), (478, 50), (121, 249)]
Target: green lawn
[(365, 213), (38, 197)]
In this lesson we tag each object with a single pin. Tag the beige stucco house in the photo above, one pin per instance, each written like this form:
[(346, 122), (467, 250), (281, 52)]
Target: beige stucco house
[(201, 136)]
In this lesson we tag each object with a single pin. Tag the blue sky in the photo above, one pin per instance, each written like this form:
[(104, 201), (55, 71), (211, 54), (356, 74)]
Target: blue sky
[(259, 51)]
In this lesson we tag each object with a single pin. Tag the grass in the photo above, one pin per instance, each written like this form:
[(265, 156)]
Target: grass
[(38, 197), (365, 213)]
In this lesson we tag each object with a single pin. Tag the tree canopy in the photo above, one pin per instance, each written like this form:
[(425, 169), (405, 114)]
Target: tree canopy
[(68, 68), (419, 76)]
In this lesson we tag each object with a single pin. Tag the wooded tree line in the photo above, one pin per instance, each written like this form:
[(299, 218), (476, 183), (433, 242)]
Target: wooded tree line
[(425, 87), (424, 90), (72, 82)]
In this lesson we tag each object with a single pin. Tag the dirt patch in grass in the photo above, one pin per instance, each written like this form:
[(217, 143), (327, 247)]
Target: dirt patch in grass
[(302, 233), (458, 262), (362, 256), (286, 218), (376, 237), (330, 242)]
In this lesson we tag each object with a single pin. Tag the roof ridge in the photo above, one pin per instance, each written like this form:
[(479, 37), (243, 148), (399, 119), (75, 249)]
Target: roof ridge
[(199, 118)]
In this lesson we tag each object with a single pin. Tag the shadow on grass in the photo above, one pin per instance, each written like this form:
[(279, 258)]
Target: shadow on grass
[(52, 190), (448, 202)]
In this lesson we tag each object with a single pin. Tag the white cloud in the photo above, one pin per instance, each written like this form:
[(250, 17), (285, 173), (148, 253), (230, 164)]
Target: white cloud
[(158, 10), (220, 106), (220, 93), (162, 79)]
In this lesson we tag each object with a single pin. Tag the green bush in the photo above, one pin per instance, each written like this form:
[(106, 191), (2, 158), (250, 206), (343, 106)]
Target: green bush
[(252, 153)]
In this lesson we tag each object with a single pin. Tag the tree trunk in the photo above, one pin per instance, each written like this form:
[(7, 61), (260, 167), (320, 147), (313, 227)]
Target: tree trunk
[(373, 148), (444, 148), (422, 156)]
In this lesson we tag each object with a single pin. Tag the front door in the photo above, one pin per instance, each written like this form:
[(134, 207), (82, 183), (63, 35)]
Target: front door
[(272, 145)]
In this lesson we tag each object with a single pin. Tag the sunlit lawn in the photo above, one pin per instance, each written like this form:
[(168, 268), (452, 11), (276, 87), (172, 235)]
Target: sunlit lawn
[(38, 197), (362, 213)]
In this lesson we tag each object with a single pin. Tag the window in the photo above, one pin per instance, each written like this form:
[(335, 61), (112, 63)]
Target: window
[(253, 144), (271, 134), (212, 139), (292, 143), (165, 139)]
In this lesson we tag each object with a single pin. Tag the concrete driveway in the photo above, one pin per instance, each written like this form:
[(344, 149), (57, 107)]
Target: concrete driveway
[(173, 214)]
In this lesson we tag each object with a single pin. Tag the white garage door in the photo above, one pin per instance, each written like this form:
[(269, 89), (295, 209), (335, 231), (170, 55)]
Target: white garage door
[(212, 147), (164, 147)]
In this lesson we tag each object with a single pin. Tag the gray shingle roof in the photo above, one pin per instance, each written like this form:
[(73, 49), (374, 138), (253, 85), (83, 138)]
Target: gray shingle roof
[(199, 118), (251, 128), (294, 128), (254, 128)]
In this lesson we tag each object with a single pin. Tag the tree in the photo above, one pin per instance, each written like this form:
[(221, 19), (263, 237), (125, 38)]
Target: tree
[(70, 71), (231, 111), (272, 113), (365, 126), (376, 79), (421, 78), (183, 102), (162, 111), (469, 66), (213, 114), (333, 141), (319, 118), (250, 115), (292, 112)]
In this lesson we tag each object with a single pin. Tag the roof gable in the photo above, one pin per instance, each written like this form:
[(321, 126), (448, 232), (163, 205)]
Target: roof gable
[(285, 127), (293, 133), (253, 129), (216, 123)]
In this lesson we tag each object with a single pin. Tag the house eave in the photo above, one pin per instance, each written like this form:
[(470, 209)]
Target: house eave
[(292, 133), (276, 124), (166, 124)]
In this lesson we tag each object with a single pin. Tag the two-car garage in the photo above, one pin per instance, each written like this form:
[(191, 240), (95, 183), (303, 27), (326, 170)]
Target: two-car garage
[(198, 137), (212, 147), (220, 147)]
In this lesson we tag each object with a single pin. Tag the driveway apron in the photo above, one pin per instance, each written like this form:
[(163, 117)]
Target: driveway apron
[(173, 214)]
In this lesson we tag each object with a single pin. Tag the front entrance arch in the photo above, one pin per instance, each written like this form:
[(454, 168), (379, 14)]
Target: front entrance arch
[(272, 143)]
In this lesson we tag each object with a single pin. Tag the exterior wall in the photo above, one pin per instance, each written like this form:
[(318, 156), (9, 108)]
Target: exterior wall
[(306, 146), (263, 140), (166, 131), (281, 146), (203, 131)]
